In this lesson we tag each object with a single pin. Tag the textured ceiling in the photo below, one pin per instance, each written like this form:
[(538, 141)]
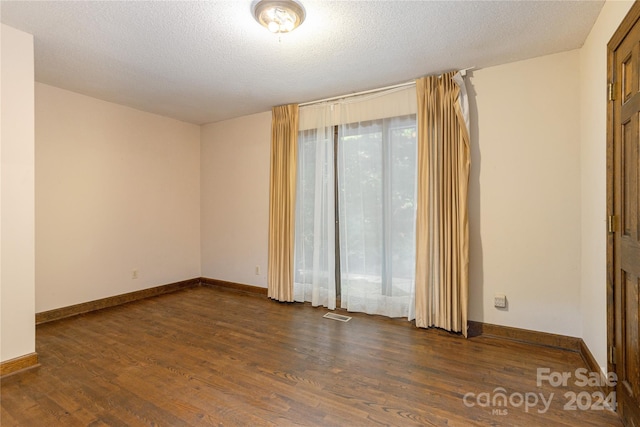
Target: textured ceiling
[(208, 61)]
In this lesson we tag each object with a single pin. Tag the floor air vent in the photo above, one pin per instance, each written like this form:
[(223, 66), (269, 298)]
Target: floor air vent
[(339, 317)]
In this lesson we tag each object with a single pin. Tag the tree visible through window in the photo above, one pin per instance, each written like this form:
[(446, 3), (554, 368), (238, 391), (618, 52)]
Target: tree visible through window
[(373, 174)]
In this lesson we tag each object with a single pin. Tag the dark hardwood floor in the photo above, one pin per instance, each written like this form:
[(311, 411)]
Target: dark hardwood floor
[(208, 356)]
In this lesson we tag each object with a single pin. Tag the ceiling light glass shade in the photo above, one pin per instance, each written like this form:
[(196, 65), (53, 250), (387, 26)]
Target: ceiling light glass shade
[(279, 16)]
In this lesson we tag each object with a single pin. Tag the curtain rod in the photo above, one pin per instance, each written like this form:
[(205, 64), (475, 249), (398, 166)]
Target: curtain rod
[(380, 89), (364, 92)]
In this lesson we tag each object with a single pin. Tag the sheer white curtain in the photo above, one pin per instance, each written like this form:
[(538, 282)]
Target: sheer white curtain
[(377, 189), (376, 182), (314, 262)]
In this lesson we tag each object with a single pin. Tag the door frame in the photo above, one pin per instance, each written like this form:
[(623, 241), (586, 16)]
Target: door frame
[(621, 32)]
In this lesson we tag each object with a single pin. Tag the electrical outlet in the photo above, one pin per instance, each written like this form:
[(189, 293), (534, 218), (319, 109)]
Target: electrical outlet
[(134, 274), (257, 270), (500, 301)]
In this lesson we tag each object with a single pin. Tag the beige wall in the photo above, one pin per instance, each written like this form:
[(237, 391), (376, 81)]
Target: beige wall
[(593, 80), (525, 194), (235, 199), (525, 202), (117, 189), (17, 248)]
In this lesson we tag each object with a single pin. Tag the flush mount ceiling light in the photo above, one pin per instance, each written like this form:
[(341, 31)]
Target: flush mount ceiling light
[(279, 16)]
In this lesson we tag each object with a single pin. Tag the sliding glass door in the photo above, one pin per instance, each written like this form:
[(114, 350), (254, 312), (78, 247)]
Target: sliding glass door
[(376, 210), (356, 204)]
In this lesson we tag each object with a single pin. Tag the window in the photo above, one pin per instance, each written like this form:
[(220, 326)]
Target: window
[(355, 213), (376, 205)]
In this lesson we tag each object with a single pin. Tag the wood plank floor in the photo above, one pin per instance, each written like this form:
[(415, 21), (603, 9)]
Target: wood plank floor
[(208, 356)]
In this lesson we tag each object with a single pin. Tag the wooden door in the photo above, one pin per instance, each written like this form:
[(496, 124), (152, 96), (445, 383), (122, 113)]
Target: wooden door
[(624, 220)]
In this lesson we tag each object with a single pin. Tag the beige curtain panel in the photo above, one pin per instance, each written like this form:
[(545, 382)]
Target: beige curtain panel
[(282, 196), (442, 230)]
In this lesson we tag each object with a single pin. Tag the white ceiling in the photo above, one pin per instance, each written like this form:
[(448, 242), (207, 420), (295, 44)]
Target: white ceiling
[(208, 61)]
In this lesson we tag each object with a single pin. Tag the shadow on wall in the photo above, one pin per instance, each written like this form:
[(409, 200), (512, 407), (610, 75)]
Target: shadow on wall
[(476, 272)]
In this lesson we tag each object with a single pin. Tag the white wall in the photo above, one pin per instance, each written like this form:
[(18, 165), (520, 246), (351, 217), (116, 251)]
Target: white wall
[(235, 199), (525, 194), (593, 131), (17, 253), (117, 189)]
